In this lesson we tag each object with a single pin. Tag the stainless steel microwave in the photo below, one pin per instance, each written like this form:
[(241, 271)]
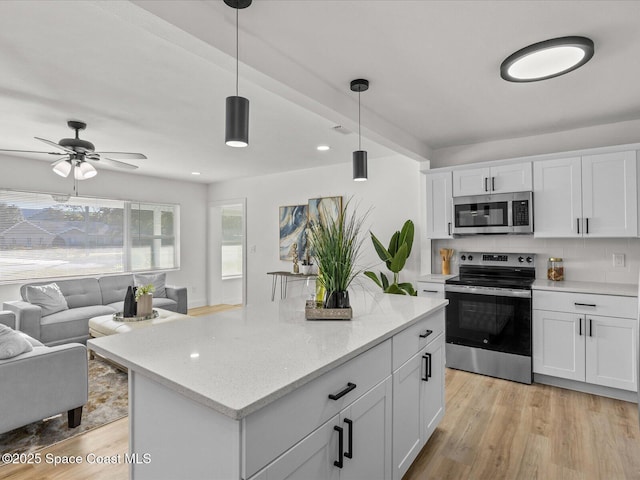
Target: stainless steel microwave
[(493, 214)]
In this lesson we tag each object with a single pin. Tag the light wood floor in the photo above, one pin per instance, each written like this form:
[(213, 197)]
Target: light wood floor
[(493, 429)]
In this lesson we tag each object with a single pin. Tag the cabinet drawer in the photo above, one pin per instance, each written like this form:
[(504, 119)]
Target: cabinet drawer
[(275, 428), (583, 303), (409, 341), (431, 290)]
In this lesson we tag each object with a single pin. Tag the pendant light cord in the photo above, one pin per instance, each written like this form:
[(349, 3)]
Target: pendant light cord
[(359, 133), (237, 50)]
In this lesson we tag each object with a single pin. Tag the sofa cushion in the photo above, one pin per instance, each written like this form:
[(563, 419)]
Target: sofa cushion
[(71, 323), (114, 288), (79, 292), (48, 297), (157, 279), (12, 343)]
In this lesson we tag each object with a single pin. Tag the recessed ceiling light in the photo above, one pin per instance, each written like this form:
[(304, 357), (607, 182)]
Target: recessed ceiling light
[(323, 148), (547, 59), (195, 173)]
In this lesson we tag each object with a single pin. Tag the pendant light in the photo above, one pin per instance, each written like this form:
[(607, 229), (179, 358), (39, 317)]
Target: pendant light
[(359, 156), (237, 107)]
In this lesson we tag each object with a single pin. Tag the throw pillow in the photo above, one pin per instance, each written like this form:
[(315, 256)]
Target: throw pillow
[(48, 297), (158, 280), (12, 343)]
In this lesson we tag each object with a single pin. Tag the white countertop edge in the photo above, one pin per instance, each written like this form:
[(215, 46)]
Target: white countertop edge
[(239, 413), (434, 278), (594, 288)]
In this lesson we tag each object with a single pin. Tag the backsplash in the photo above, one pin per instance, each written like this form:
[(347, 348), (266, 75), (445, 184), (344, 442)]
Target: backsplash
[(587, 260)]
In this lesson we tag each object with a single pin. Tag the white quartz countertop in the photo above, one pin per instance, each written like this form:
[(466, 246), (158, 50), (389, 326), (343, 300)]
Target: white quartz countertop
[(598, 288), (434, 278), (237, 362)]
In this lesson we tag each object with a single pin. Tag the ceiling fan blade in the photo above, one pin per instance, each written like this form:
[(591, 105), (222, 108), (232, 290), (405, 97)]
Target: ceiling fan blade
[(124, 155), (31, 151), (114, 163), (54, 144)]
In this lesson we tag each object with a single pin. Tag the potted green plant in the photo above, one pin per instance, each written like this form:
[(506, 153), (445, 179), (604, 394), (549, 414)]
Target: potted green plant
[(336, 245), (395, 258), (144, 299)]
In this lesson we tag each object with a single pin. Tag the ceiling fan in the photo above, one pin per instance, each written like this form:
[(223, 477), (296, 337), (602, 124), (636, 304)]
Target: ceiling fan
[(76, 152)]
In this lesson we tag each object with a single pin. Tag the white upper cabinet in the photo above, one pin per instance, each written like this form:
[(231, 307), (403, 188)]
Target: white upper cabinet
[(439, 205), (557, 197), (514, 177), (609, 204), (588, 196)]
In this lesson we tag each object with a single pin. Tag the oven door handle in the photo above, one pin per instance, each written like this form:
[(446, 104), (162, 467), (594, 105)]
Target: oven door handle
[(497, 292)]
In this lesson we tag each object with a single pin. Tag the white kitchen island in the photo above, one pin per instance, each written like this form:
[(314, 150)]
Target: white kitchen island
[(262, 393)]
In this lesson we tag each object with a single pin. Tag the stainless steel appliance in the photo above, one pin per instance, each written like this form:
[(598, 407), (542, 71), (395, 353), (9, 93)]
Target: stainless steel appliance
[(488, 318), (493, 214)]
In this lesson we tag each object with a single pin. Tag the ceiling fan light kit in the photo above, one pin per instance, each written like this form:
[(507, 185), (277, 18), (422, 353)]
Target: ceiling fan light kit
[(547, 59), (237, 107), (359, 156)]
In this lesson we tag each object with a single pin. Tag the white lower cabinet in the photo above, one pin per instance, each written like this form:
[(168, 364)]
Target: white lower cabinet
[(356, 444), (597, 349), (418, 403)]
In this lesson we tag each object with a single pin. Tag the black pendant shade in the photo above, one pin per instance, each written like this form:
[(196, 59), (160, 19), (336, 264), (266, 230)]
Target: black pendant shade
[(359, 165), (237, 108), (237, 122), (359, 156)]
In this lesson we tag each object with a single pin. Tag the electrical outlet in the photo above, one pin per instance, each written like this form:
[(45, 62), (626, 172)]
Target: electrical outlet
[(252, 249), (618, 259)]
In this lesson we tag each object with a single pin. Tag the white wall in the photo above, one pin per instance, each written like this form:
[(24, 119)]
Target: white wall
[(37, 176), (392, 192), (581, 138)]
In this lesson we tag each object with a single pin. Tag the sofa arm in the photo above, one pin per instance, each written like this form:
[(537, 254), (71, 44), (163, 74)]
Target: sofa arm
[(178, 295), (27, 317), (41, 383)]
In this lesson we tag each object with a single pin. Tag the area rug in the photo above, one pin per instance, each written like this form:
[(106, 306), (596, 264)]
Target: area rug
[(108, 401)]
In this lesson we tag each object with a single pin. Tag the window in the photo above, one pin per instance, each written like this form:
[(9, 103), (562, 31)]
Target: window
[(232, 234), (45, 235)]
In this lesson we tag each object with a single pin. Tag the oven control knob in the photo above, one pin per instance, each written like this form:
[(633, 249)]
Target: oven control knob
[(463, 258), (529, 259), (521, 259), (470, 257)]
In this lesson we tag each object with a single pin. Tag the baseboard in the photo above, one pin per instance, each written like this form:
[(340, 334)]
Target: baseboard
[(616, 393), (198, 302)]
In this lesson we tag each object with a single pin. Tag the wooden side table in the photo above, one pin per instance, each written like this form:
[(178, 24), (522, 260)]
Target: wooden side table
[(284, 281)]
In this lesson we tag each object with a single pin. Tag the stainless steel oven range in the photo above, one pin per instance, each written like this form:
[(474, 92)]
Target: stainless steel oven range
[(489, 315)]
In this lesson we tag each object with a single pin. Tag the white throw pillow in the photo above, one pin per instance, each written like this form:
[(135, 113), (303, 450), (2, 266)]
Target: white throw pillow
[(157, 279), (12, 343), (48, 297)]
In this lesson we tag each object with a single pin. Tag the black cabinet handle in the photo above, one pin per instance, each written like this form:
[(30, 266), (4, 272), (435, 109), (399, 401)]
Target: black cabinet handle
[(426, 332), (449, 228), (338, 463), (585, 304), (349, 454), (493, 183), (429, 291), (426, 368), (486, 189), (335, 396), (587, 229), (428, 365), (590, 328), (580, 330), (578, 224)]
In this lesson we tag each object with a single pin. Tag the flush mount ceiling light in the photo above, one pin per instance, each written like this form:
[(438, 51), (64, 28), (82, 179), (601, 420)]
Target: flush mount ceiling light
[(237, 107), (323, 148), (547, 59), (359, 156)]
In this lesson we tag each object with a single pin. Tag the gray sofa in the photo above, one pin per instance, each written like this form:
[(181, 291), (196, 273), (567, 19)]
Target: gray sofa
[(86, 298), (43, 382)]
